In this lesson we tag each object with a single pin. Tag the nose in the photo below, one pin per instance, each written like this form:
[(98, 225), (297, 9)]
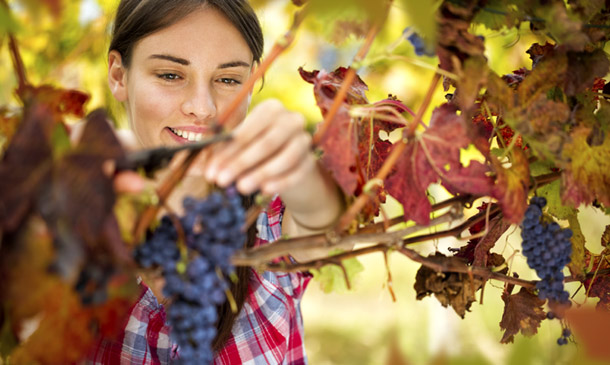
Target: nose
[(199, 102)]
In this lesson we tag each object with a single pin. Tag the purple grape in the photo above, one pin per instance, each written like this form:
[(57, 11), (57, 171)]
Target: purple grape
[(548, 248)]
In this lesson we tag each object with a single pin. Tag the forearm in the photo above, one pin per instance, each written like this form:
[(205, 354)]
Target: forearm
[(314, 205)]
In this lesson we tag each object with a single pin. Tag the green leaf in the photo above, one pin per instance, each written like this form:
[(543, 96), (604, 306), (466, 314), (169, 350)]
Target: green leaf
[(60, 141), (8, 341), (587, 175), (541, 167), (422, 15), (340, 19), (555, 206), (563, 26), (332, 278), (586, 9), (498, 14), (8, 24), (577, 259), (552, 192)]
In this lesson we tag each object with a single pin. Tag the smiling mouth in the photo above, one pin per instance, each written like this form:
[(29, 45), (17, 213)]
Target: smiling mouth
[(191, 136)]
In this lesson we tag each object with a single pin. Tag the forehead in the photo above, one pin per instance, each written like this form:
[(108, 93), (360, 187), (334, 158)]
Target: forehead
[(204, 35)]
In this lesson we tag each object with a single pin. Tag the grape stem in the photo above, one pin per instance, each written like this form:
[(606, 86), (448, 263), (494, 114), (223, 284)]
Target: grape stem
[(16, 58)]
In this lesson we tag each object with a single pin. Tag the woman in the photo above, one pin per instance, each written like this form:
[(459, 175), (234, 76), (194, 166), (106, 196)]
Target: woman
[(176, 65)]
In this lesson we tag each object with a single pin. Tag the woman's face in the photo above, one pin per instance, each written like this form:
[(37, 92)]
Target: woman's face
[(181, 78)]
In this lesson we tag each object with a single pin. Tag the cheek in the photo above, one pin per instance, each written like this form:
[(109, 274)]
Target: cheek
[(240, 113), (150, 111)]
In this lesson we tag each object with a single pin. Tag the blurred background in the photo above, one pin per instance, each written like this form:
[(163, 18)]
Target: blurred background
[(362, 325)]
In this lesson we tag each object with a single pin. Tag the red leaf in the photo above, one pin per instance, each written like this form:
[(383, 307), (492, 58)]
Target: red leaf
[(340, 142), (327, 84), (60, 101), (373, 151), (512, 185), (522, 312), (340, 151), (435, 156)]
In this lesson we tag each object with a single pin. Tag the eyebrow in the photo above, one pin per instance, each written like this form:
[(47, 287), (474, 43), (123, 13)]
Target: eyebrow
[(234, 64), (167, 57), (186, 62)]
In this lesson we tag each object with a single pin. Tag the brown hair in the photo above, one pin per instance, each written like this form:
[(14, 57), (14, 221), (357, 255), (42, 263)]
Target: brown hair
[(136, 19)]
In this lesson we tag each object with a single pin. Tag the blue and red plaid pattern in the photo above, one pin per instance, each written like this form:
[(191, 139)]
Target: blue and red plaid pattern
[(268, 330)]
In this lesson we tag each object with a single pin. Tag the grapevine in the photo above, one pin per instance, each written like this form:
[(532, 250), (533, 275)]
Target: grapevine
[(539, 134)]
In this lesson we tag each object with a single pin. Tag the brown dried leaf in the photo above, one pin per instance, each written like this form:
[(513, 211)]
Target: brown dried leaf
[(450, 289), (497, 227), (455, 42), (522, 312), (598, 285), (25, 165)]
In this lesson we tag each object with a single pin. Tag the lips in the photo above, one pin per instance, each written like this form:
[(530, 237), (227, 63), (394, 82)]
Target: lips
[(187, 135)]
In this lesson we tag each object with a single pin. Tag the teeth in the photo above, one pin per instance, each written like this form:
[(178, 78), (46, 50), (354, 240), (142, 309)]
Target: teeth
[(191, 136)]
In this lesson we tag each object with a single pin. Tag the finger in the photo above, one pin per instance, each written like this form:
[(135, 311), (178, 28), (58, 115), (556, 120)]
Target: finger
[(258, 120), (267, 116), (290, 158), (129, 182), (255, 154), (236, 159)]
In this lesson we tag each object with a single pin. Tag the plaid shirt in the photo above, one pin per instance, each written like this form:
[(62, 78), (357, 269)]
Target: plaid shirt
[(268, 330)]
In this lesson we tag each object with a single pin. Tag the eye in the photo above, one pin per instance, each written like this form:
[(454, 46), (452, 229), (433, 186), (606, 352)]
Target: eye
[(168, 76), (228, 81)]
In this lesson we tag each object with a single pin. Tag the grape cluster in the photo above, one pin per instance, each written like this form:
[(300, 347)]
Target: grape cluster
[(212, 232), (565, 335), (419, 44), (548, 248), (159, 249), (213, 226)]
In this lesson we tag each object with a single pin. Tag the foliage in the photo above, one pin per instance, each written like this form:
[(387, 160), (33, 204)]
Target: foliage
[(541, 131)]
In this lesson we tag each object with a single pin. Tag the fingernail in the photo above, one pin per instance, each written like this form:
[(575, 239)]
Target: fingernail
[(224, 177), (246, 186), (210, 172)]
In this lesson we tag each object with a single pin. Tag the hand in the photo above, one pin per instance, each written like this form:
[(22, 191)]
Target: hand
[(270, 152)]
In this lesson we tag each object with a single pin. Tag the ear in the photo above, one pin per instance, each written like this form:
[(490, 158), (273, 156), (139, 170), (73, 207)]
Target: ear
[(117, 76)]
